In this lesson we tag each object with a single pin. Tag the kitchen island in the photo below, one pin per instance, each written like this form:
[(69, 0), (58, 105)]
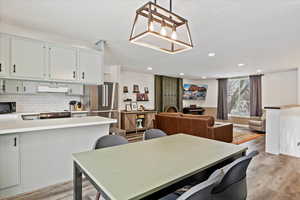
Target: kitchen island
[(38, 153)]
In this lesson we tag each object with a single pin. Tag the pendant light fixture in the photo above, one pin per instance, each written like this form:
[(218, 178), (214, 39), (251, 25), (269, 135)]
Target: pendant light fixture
[(161, 29)]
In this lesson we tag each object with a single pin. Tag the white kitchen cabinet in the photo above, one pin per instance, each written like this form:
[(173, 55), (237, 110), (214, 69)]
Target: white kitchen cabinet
[(62, 63), (2, 86), (28, 58), (75, 89), (9, 161), (13, 86), (90, 66), (29, 87), (4, 54)]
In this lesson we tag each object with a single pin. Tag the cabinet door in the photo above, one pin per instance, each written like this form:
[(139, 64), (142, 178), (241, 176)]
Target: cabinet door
[(4, 54), (75, 90), (63, 63), (29, 87), (13, 86), (27, 58), (9, 161), (90, 66)]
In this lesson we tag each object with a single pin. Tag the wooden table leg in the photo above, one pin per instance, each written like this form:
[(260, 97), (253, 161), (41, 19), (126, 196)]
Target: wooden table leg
[(77, 183)]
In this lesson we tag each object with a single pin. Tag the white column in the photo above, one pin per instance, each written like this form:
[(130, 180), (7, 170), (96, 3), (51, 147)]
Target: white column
[(298, 86)]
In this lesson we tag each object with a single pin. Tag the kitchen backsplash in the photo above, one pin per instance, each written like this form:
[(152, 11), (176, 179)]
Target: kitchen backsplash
[(40, 102)]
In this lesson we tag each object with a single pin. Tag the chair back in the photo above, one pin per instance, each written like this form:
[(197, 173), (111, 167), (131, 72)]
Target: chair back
[(154, 133), (109, 141), (234, 184)]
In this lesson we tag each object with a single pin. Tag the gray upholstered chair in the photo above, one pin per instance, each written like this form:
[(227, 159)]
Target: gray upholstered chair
[(109, 141), (228, 183), (154, 133)]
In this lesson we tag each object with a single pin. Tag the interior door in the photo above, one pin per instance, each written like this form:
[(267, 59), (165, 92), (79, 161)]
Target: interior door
[(27, 58), (90, 66), (63, 63), (4, 54), (9, 161)]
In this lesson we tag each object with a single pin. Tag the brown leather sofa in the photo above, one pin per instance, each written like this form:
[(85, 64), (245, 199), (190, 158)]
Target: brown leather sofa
[(197, 125)]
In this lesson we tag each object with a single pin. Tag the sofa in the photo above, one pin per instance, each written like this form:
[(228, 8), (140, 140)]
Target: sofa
[(197, 125)]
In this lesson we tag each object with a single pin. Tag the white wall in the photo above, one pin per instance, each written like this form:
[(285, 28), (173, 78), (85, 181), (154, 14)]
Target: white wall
[(211, 96), (129, 79), (279, 88)]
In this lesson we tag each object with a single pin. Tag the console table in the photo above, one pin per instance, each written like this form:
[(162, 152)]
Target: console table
[(129, 120)]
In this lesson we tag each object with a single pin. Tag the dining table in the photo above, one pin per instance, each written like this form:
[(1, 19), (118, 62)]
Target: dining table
[(150, 169)]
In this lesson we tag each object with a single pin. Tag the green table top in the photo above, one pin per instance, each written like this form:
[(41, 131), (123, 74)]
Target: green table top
[(135, 170)]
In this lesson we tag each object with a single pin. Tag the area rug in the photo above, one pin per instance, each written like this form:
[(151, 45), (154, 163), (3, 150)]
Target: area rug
[(242, 135)]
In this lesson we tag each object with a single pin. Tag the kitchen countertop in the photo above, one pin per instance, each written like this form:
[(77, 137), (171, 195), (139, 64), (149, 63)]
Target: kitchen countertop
[(282, 107), (19, 126)]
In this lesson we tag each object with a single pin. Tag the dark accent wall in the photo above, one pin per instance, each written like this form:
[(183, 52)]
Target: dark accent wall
[(168, 92)]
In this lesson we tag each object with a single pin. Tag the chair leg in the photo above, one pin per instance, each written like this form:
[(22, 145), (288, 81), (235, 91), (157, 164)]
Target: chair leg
[(98, 196)]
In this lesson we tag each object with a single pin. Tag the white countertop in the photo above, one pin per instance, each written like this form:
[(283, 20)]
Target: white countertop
[(18, 126)]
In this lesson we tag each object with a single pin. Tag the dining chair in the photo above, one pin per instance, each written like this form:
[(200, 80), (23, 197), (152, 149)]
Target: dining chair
[(154, 133), (109, 141), (227, 183)]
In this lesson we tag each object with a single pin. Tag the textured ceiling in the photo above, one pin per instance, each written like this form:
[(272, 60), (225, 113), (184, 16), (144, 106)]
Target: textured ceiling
[(262, 34)]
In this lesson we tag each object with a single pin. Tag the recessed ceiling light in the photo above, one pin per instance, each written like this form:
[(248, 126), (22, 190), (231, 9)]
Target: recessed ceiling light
[(203, 77), (212, 54), (181, 74), (259, 71), (241, 65), (149, 68)]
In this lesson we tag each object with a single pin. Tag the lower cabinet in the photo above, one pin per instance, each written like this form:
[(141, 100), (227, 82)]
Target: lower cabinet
[(9, 161)]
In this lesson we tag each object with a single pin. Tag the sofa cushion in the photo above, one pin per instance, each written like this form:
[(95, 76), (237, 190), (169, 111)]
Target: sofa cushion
[(211, 120)]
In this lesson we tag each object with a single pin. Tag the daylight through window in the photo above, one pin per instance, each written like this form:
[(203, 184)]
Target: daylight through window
[(239, 96)]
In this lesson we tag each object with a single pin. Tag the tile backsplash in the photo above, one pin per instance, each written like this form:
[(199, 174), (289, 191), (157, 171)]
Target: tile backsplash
[(40, 102)]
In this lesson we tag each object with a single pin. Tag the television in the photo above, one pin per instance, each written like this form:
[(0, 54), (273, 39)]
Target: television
[(194, 92)]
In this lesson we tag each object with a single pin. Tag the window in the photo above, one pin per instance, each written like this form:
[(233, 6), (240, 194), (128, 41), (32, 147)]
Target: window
[(239, 96)]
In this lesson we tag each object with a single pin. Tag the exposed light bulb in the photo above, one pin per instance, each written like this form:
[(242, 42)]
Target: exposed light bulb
[(174, 35), (163, 30), (151, 26)]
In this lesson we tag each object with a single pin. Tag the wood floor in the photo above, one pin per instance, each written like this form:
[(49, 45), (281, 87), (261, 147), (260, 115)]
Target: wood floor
[(269, 178)]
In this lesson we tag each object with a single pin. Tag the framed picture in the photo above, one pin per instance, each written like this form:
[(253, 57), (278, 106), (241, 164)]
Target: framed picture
[(134, 106), (128, 107)]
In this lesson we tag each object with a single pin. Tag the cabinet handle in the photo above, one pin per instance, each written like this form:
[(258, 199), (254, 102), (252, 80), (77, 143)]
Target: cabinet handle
[(15, 141), (74, 74), (14, 70), (0, 67), (24, 88), (82, 75), (17, 88)]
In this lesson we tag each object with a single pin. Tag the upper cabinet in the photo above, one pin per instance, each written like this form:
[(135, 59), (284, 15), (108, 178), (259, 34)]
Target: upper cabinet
[(4, 54), (90, 66), (63, 63), (28, 58)]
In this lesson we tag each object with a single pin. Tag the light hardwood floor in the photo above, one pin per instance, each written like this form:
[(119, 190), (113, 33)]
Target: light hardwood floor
[(270, 177)]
